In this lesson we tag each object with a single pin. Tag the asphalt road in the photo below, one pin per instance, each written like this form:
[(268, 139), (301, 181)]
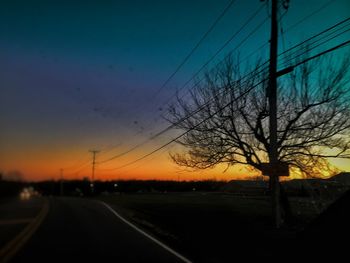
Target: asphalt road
[(16, 214), (81, 230)]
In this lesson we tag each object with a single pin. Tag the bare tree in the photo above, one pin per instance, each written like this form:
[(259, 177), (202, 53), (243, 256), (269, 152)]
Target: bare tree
[(231, 125)]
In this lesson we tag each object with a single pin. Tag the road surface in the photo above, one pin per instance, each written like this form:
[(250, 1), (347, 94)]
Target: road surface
[(15, 215), (78, 230)]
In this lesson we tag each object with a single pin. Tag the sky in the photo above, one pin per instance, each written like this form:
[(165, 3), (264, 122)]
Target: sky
[(83, 75)]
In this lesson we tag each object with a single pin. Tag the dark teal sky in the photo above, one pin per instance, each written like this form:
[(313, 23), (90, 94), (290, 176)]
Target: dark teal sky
[(83, 74)]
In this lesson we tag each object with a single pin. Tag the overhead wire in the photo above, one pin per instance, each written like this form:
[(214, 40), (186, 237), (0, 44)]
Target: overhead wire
[(308, 49), (173, 125), (192, 51), (192, 128), (302, 43), (262, 46), (289, 28), (345, 43), (251, 54), (211, 28), (310, 15), (295, 24), (198, 71), (221, 48), (228, 41)]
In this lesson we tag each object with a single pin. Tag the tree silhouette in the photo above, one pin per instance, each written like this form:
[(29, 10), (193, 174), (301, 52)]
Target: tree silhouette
[(231, 125)]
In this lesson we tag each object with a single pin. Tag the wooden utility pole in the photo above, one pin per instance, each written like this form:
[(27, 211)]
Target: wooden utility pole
[(272, 94), (61, 182), (94, 152)]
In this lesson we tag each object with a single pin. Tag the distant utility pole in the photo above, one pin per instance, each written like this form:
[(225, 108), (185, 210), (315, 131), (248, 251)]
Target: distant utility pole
[(61, 182), (94, 152)]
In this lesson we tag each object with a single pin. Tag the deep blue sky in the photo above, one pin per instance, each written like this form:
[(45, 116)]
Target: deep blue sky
[(76, 75)]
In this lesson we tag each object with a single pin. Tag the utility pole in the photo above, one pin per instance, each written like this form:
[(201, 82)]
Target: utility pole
[(61, 182), (94, 152), (272, 95)]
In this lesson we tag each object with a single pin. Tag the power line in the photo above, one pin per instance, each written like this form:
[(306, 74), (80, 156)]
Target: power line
[(262, 46), (222, 48), (211, 28), (133, 168), (228, 104), (199, 109), (202, 67), (293, 26), (304, 42), (344, 44), (175, 124), (78, 163), (320, 44), (222, 14), (76, 172), (251, 54), (192, 128), (310, 15), (319, 34), (79, 167)]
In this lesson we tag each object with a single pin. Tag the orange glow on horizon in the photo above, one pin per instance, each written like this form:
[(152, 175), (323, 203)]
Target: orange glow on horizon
[(38, 165)]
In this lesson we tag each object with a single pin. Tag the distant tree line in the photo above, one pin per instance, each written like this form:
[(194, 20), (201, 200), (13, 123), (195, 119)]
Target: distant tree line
[(84, 187)]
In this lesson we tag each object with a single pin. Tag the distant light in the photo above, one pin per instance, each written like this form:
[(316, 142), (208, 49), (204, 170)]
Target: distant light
[(91, 185), (115, 185), (26, 193)]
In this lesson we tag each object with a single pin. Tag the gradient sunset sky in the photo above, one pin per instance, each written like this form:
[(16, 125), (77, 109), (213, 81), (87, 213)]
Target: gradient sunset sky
[(81, 75)]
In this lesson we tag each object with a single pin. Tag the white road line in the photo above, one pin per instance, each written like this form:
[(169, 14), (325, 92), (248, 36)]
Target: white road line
[(145, 234), (8, 251)]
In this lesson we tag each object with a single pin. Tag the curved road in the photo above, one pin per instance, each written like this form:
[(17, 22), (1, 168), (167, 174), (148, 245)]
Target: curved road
[(83, 230)]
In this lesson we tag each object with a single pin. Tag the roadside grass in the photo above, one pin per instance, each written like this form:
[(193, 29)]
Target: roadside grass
[(212, 227)]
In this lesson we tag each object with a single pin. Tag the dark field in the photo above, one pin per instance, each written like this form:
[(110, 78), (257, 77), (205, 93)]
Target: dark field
[(213, 227)]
